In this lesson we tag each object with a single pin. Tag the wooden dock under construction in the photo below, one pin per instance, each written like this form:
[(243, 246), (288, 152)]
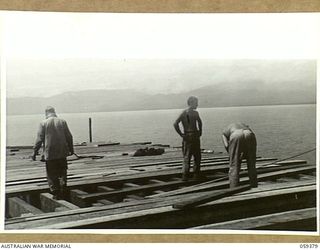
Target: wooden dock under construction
[(111, 189)]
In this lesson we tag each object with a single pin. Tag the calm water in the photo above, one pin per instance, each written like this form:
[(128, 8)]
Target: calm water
[(281, 131)]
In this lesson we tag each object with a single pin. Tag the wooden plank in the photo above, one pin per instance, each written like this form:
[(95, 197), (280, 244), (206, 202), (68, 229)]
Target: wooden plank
[(306, 177), (87, 198), (265, 222), (243, 181), (60, 209), (90, 212), (155, 181), (273, 188), (291, 162), (74, 197), (48, 204), (17, 207), (105, 202), (129, 185), (161, 217), (42, 178), (135, 197), (12, 191), (147, 164), (104, 189), (286, 199), (201, 199), (97, 204)]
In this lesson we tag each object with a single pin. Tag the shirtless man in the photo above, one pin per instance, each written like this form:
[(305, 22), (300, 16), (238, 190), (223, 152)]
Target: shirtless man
[(240, 142), (192, 130)]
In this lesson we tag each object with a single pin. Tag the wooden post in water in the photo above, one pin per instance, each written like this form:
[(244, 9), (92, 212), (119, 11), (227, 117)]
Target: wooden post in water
[(90, 130)]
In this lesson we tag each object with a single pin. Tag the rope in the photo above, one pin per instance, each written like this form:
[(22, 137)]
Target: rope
[(291, 157)]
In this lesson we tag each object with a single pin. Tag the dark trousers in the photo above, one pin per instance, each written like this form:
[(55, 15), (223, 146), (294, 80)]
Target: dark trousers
[(191, 147), (242, 145), (57, 176)]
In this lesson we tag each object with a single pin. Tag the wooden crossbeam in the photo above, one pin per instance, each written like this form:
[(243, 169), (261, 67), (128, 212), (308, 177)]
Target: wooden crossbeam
[(15, 190), (161, 217), (138, 205), (214, 195), (105, 202), (48, 204), (129, 184), (74, 197), (274, 221), (36, 177), (104, 189), (17, 207), (87, 198), (224, 182)]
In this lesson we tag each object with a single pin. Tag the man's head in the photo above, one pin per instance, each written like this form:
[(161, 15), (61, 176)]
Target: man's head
[(192, 102), (50, 111)]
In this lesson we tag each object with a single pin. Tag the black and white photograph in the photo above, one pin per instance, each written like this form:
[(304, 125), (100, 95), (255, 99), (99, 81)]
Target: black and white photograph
[(193, 123)]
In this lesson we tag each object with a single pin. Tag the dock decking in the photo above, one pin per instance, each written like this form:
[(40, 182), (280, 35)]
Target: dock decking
[(111, 189)]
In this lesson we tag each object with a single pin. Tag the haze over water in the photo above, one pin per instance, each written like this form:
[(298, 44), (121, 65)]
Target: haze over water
[(282, 130)]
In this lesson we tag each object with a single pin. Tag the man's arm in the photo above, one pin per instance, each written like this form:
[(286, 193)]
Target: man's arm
[(225, 142), (199, 125), (177, 127), (39, 141), (69, 138)]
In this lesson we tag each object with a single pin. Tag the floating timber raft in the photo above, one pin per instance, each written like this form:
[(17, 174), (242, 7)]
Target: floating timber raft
[(108, 188)]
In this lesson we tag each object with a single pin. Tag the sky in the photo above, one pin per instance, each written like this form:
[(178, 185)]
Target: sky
[(50, 53)]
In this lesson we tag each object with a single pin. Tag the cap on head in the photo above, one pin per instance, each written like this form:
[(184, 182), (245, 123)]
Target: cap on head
[(50, 110), (192, 100)]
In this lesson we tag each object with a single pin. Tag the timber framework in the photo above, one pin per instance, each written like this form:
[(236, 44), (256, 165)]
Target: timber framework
[(111, 189)]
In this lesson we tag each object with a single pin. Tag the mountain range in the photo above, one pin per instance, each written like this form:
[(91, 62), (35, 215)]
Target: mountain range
[(222, 95)]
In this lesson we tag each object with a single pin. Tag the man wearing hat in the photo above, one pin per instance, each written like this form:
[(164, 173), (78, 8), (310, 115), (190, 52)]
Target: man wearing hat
[(56, 138)]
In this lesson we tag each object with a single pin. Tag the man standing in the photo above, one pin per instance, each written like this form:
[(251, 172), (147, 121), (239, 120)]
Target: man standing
[(192, 130), (240, 142), (57, 141)]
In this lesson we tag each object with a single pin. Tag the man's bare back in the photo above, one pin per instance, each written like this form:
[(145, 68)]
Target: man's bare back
[(189, 119)]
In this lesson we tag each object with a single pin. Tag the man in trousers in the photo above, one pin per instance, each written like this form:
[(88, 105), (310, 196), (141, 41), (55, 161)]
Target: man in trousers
[(192, 130), (56, 138), (240, 142)]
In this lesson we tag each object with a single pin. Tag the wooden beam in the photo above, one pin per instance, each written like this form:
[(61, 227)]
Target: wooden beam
[(104, 189), (87, 198), (74, 197), (280, 221), (129, 185), (161, 217), (273, 188), (17, 207), (105, 202), (214, 195), (238, 206), (76, 177), (224, 183), (16, 190), (48, 204), (291, 162)]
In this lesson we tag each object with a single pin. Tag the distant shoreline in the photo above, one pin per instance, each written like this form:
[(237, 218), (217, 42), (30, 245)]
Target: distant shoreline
[(155, 109)]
